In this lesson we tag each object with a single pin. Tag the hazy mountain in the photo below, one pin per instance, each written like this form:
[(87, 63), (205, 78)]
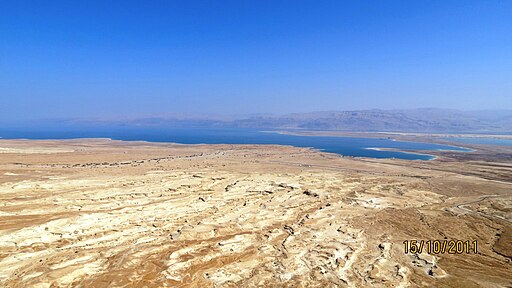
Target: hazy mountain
[(413, 120)]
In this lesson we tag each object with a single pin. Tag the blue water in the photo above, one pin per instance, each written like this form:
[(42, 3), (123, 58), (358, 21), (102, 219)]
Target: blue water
[(485, 141), (348, 146)]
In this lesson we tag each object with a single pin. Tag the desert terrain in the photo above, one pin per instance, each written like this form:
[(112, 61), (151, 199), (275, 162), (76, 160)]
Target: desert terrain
[(104, 213)]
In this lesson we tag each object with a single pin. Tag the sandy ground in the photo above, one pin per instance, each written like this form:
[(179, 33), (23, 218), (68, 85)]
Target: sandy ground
[(101, 213)]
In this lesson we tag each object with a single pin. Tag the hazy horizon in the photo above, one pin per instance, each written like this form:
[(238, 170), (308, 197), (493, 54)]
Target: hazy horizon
[(228, 116), (131, 59)]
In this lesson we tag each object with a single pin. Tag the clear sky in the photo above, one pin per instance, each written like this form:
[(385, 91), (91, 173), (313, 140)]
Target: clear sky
[(143, 58)]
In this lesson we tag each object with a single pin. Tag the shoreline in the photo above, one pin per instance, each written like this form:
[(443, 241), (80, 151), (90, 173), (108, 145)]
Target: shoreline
[(433, 157), (473, 152), (299, 132), (466, 152), (372, 135), (3, 150)]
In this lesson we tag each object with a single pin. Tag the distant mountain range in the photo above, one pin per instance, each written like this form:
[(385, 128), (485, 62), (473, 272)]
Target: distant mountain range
[(414, 120), (428, 120)]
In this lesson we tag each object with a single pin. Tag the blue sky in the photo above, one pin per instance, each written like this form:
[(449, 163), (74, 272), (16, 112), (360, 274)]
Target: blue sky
[(153, 58)]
